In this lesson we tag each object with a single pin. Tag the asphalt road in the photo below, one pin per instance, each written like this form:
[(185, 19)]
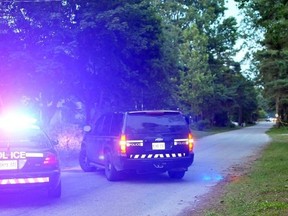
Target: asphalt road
[(148, 195)]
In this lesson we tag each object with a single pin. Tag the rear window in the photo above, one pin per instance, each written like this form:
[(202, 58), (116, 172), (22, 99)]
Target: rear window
[(147, 123), (24, 138)]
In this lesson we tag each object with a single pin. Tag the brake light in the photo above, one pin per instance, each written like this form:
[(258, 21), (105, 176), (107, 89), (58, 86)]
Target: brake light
[(123, 144), (190, 142), (50, 159)]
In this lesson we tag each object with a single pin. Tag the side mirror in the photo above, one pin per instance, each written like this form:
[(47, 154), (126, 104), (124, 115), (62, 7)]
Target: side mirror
[(87, 128), (187, 119)]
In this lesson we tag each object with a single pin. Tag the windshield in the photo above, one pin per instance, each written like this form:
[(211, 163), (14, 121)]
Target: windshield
[(144, 123), (25, 138)]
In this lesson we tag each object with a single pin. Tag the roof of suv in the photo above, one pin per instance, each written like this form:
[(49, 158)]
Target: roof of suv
[(155, 111)]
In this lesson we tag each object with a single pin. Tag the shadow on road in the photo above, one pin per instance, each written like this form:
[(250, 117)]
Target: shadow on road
[(25, 199)]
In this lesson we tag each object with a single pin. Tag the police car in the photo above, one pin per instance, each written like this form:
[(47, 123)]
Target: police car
[(28, 159), (142, 141)]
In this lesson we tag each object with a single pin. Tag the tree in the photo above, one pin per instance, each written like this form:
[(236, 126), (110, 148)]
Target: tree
[(109, 55), (196, 88), (36, 53), (119, 55), (206, 50), (271, 16), (127, 56)]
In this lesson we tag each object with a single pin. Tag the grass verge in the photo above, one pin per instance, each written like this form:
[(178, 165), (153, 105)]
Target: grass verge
[(263, 190)]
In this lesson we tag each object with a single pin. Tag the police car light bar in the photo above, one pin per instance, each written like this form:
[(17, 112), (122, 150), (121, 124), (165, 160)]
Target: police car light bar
[(16, 121)]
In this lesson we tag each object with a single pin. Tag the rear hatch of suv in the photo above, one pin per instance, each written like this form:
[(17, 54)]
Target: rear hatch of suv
[(157, 134)]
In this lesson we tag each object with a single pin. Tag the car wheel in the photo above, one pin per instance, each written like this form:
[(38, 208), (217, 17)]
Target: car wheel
[(84, 162), (110, 172), (176, 174), (55, 192)]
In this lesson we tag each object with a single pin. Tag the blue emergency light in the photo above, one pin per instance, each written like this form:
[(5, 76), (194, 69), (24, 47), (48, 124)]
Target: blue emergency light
[(15, 120)]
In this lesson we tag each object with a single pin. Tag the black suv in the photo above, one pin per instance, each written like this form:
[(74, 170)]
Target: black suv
[(28, 160), (145, 141)]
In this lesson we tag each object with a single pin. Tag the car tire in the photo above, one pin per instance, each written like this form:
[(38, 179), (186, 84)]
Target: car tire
[(110, 172), (55, 192), (176, 174), (84, 161)]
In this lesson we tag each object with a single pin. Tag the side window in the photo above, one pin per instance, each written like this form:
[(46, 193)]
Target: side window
[(117, 122), (99, 125), (106, 125)]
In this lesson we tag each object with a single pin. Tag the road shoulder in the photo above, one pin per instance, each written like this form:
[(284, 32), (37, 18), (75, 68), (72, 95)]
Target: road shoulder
[(214, 198)]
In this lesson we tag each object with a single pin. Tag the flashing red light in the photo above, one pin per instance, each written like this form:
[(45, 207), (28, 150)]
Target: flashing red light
[(50, 159)]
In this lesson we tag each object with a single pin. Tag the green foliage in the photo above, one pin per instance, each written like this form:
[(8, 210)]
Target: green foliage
[(262, 114), (119, 55), (196, 80), (203, 125), (271, 18), (126, 49), (209, 78), (69, 138)]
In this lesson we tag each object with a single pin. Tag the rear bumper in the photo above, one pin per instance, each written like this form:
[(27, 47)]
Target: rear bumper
[(30, 180), (154, 164)]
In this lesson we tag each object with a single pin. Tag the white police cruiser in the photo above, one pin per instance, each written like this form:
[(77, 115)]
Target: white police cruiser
[(28, 159)]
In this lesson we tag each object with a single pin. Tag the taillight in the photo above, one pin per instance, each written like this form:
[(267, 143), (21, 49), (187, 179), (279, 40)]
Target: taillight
[(50, 159), (123, 144), (190, 142)]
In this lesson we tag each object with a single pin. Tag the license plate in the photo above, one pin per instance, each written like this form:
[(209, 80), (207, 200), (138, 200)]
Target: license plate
[(8, 165), (158, 146)]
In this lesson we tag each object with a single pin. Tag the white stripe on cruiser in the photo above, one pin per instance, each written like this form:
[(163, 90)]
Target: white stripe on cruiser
[(31, 180), (21, 181), (24, 180), (4, 181), (34, 154)]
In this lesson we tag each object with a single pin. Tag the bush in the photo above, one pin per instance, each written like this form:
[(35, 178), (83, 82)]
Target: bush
[(69, 137), (231, 125), (262, 114), (203, 124)]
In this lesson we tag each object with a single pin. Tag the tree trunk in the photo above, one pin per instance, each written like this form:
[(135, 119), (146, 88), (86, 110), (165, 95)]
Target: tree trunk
[(277, 111), (240, 116)]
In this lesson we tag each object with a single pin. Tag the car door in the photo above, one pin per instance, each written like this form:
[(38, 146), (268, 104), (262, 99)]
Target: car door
[(92, 140), (102, 134), (115, 132), (103, 138)]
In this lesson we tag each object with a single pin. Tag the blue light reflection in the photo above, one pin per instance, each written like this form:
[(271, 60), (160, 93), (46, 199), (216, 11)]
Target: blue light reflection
[(212, 177)]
